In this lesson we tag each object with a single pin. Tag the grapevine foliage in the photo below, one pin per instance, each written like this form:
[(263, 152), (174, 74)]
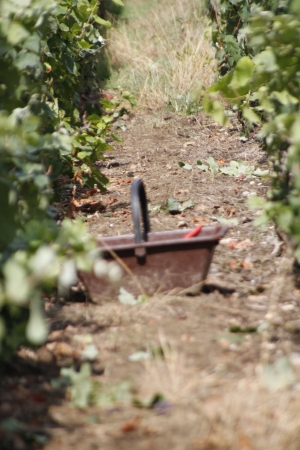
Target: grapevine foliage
[(263, 82), (51, 57)]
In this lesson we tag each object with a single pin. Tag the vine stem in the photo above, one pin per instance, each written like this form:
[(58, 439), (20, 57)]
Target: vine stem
[(237, 27), (216, 14)]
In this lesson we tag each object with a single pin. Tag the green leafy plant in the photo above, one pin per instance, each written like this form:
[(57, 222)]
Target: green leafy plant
[(126, 298), (212, 166), (264, 87), (185, 165), (52, 121), (85, 391), (81, 386), (234, 168), (175, 207)]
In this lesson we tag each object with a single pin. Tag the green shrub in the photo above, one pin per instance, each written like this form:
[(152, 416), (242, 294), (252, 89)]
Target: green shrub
[(265, 86), (230, 28), (48, 59)]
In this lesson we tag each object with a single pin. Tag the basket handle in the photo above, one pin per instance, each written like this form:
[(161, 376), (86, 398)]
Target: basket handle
[(138, 202)]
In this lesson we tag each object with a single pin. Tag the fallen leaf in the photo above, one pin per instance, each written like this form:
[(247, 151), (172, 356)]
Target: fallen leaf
[(188, 144), (240, 177), (124, 181), (131, 425), (233, 264), (220, 162), (244, 244), (87, 204), (232, 244), (236, 245), (91, 192), (110, 200), (78, 177), (247, 264), (94, 206)]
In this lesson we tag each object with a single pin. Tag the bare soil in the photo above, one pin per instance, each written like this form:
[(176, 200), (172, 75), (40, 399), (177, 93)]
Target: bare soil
[(211, 349)]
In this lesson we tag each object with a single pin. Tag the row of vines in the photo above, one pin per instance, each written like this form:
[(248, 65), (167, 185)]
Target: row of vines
[(52, 58), (258, 50)]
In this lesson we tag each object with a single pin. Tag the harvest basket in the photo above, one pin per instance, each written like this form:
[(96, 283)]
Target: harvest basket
[(153, 262)]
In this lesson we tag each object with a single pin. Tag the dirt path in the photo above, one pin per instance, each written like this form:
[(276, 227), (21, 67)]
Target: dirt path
[(210, 350)]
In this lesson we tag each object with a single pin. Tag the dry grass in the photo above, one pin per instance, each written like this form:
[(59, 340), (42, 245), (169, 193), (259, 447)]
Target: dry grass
[(252, 418), (169, 374), (244, 417), (161, 53)]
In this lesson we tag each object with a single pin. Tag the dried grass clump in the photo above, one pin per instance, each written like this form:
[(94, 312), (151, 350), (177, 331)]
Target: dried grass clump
[(250, 418), (246, 417), (168, 374), (161, 53)]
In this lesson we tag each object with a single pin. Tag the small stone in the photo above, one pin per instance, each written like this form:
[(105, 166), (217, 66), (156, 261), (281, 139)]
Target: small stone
[(269, 346), (224, 343), (293, 326), (233, 347), (277, 320), (258, 298), (287, 307), (295, 359), (182, 224), (45, 355), (234, 322)]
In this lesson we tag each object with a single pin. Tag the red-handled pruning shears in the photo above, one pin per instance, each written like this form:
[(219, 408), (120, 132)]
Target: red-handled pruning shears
[(194, 232)]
